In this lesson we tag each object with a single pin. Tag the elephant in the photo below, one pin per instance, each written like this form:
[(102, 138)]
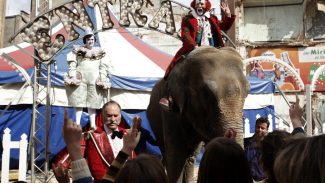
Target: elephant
[(208, 89)]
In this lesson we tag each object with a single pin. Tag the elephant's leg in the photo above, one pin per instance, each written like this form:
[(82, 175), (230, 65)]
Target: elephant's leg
[(188, 170), (176, 158), (176, 152), (188, 174), (180, 161)]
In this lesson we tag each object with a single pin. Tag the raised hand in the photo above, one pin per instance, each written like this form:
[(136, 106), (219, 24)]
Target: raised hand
[(61, 174), (72, 134), (225, 9), (132, 138), (295, 113)]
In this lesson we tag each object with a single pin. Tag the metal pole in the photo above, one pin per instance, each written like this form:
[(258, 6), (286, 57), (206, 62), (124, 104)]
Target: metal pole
[(34, 119), (48, 120), (36, 9), (50, 4), (309, 92), (40, 125), (48, 112)]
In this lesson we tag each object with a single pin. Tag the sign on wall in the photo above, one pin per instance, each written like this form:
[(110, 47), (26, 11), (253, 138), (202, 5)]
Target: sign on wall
[(311, 54), (304, 60)]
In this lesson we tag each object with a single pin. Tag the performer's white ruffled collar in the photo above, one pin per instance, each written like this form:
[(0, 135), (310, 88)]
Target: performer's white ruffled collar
[(195, 15), (94, 53)]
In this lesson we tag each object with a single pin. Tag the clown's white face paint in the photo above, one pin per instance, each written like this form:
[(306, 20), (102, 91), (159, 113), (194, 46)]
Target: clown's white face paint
[(200, 7)]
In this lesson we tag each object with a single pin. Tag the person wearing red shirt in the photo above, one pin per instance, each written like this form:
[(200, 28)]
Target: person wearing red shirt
[(105, 142)]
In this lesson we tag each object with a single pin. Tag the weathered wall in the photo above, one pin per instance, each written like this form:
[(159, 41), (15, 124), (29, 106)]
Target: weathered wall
[(57, 3), (273, 23), (315, 16), (13, 24)]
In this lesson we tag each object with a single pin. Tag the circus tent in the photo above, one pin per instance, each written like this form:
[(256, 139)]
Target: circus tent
[(136, 66)]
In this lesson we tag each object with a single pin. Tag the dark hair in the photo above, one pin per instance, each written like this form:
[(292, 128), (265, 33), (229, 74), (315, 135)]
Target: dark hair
[(224, 161), (262, 120), (270, 146), (302, 160), (111, 102), (143, 168), (88, 36)]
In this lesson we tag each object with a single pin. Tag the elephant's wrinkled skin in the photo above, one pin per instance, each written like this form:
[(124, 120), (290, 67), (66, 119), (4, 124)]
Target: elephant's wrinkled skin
[(209, 89)]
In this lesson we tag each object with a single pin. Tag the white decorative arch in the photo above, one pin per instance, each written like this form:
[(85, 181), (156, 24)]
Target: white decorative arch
[(287, 67), (315, 77)]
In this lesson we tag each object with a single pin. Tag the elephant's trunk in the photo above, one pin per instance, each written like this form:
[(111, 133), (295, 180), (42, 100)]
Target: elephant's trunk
[(231, 111)]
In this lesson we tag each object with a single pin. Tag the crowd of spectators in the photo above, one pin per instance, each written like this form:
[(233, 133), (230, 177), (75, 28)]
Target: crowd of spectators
[(275, 157)]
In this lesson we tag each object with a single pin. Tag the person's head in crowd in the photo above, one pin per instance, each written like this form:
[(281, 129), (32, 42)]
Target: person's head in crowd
[(143, 168), (261, 128), (270, 146), (224, 161), (111, 112), (302, 160)]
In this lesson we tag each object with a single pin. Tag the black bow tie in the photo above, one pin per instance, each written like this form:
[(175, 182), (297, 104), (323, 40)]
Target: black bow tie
[(118, 134)]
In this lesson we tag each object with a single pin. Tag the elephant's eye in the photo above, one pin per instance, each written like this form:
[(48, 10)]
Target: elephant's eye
[(211, 84)]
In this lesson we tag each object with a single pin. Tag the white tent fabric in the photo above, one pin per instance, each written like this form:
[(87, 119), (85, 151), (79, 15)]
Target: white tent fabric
[(258, 101)]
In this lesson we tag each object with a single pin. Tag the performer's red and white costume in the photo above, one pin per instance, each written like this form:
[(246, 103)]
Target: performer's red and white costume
[(109, 148), (201, 30)]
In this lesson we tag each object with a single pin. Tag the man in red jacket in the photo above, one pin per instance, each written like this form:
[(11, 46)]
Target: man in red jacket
[(200, 27), (105, 142)]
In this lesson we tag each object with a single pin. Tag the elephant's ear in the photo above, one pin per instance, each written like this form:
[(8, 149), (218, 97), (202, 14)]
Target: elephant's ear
[(177, 92), (177, 87), (182, 102)]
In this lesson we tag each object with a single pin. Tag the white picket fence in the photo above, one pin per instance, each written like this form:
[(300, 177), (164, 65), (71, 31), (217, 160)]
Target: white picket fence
[(279, 125), (7, 144)]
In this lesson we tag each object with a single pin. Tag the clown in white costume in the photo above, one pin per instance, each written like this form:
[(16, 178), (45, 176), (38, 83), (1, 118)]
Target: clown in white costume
[(87, 82)]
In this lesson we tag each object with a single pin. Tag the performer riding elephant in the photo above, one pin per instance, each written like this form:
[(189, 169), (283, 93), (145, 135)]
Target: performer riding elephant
[(200, 27), (208, 90)]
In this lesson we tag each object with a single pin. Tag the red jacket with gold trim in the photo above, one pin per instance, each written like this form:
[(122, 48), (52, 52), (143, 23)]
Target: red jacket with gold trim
[(96, 164), (189, 29)]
